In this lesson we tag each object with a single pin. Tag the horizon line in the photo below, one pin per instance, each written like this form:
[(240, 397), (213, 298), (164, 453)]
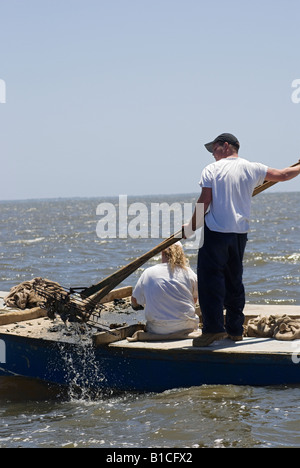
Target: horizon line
[(74, 197)]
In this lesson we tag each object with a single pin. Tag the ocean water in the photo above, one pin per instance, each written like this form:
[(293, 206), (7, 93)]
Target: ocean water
[(57, 239)]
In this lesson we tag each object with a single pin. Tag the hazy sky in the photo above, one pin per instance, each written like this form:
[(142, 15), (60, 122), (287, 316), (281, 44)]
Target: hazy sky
[(109, 97)]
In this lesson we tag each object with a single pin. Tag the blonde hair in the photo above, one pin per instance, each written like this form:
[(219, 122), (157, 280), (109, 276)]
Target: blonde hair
[(175, 257)]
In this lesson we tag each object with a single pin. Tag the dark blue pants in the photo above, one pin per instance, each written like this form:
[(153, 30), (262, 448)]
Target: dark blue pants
[(220, 282)]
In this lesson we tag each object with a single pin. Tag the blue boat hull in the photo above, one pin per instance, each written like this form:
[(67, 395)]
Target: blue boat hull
[(139, 369)]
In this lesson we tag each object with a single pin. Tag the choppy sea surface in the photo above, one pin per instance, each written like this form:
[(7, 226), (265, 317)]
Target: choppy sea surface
[(57, 239)]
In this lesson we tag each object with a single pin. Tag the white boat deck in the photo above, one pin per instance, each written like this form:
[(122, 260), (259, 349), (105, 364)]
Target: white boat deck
[(44, 328), (247, 346), (40, 329)]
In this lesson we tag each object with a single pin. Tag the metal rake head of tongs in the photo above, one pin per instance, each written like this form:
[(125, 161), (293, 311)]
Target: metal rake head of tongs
[(61, 303)]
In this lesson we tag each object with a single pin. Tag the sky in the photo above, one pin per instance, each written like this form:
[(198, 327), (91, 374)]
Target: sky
[(110, 97)]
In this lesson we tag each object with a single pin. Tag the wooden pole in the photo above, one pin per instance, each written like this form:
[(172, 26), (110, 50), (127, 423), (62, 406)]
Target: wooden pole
[(105, 286)]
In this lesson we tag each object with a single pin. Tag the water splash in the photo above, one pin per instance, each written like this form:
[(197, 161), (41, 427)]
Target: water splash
[(81, 368)]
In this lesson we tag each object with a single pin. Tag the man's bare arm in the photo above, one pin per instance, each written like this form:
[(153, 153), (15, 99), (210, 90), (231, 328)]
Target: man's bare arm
[(282, 175)]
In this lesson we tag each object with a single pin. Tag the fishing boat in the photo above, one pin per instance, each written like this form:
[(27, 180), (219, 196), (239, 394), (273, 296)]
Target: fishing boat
[(33, 346)]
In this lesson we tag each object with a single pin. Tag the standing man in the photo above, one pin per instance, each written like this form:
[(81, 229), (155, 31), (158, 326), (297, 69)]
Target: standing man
[(227, 188)]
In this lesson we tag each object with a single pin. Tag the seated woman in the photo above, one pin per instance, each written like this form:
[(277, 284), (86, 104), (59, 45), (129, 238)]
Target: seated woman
[(168, 292)]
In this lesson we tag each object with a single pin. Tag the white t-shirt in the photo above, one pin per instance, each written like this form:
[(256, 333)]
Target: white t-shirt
[(232, 181), (168, 297)]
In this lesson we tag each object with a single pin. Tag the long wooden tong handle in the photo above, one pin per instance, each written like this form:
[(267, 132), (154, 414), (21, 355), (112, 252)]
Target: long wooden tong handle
[(106, 285)]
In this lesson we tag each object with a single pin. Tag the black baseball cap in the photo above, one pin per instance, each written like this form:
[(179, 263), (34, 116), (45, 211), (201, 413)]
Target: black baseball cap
[(231, 139)]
